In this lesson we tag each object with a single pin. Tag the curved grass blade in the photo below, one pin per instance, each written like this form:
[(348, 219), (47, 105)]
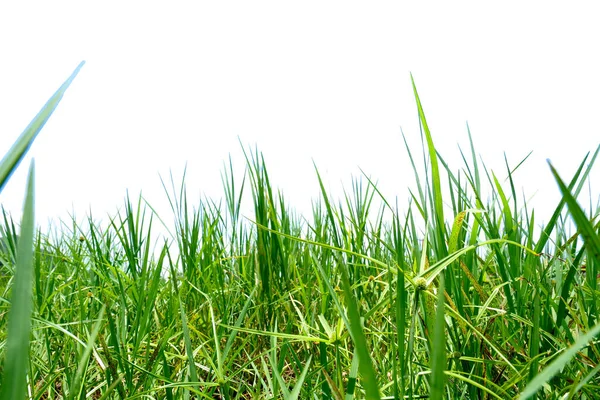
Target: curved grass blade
[(77, 386), (556, 365), (590, 238), (545, 235), (365, 363), (17, 152), (296, 390), (435, 170), (336, 394), (188, 343), (487, 388), (19, 318)]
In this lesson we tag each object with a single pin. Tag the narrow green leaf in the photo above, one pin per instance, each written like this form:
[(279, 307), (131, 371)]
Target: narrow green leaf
[(591, 239), (19, 317), (188, 344), (78, 385), (438, 357), (556, 365), (365, 363), (298, 386), (275, 368), (534, 341), (17, 152), (335, 392), (435, 170), (508, 220), (352, 376), (238, 323), (545, 235)]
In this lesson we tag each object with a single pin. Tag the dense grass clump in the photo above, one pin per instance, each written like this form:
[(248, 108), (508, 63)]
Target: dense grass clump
[(454, 297)]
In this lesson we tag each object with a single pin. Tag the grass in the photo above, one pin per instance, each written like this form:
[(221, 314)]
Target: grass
[(457, 297)]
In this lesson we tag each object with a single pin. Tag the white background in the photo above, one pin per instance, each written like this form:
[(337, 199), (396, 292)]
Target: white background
[(172, 83)]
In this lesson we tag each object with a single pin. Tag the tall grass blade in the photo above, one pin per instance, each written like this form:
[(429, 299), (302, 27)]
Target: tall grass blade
[(188, 344), (14, 379), (545, 235), (435, 172), (438, 356), (590, 238), (298, 386), (184, 327), (365, 363), (78, 385), (353, 321), (17, 152)]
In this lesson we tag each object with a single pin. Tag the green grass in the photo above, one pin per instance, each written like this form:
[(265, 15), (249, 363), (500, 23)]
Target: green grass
[(458, 295)]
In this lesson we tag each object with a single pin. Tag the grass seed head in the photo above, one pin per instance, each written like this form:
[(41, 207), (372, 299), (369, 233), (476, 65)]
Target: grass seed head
[(421, 283)]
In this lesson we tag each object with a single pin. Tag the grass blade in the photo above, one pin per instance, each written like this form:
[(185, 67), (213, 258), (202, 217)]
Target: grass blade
[(590, 238), (435, 171), (438, 357), (556, 365), (365, 363), (78, 385), (17, 152), (296, 391), (19, 318)]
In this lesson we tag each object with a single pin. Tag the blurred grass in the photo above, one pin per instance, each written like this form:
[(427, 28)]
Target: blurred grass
[(457, 296), (21, 300)]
